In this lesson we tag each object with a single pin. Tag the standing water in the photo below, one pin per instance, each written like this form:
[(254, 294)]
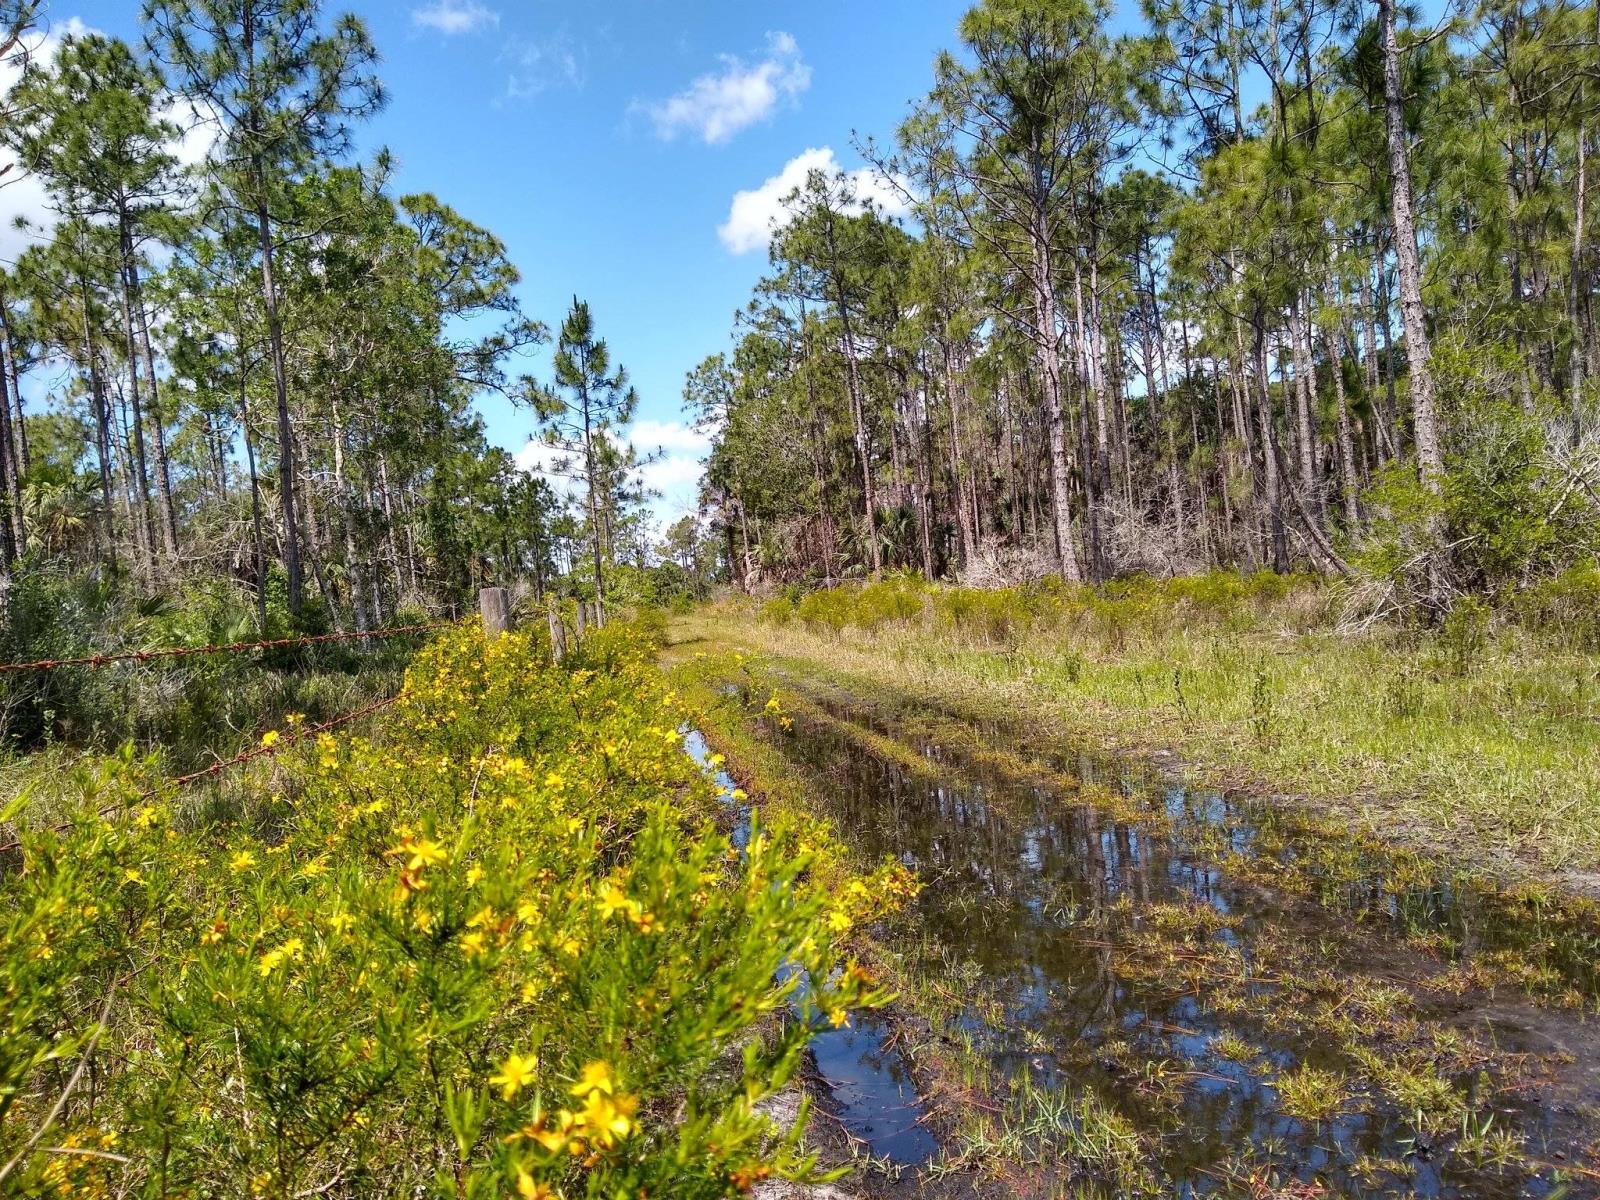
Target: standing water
[(1129, 987), (871, 1090)]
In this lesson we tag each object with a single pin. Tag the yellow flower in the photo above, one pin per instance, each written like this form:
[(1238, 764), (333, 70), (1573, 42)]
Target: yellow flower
[(595, 1077), (472, 943), (607, 1119), (530, 1188), (132, 875), (474, 874), (613, 900), (515, 1074), (242, 861), (554, 1137), (419, 855), (270, 738), (275, 958)]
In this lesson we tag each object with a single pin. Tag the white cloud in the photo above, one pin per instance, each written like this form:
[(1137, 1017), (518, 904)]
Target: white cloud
[(674, 437), (451, 17), (675, 474), (540, 64), (716, 106), (757, 212), (23, 195)]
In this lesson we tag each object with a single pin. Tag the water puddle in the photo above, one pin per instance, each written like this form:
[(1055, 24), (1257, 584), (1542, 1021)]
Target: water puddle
[(871, 1092), (1115, 983)]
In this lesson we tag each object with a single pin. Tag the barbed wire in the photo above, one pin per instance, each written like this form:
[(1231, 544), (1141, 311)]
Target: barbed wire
[(266, 749), (143, 656)]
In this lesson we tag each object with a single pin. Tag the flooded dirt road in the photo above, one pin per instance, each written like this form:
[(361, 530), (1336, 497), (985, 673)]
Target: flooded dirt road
[(1115, 985)]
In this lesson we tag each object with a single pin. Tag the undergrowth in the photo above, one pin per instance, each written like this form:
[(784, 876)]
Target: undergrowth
[(493, 948)]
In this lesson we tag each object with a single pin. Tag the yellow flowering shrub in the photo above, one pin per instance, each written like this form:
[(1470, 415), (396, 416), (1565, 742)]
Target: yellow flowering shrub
[(498, 948)]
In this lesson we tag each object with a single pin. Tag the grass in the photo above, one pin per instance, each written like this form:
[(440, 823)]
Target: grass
[(1484, 749), (1311, 1093)]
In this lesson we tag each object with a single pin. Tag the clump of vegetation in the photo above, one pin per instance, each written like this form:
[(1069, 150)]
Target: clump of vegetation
[(493, 948), (1310, 1093)]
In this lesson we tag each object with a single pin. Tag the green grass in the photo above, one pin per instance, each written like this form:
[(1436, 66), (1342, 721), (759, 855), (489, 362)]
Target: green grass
[(1486, 751)]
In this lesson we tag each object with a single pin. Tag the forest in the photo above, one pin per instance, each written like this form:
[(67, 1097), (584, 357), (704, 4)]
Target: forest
[(1119, 720), (1268, 286), (261, 361)]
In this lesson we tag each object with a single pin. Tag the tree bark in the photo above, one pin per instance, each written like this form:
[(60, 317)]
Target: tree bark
[(1047, 348), (1430, 459)]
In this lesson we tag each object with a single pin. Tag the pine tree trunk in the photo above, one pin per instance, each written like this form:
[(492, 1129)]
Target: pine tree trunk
[(102, 427), (10, 463), (8, 343), (1305, 402), (1278, 533), (966, 535), (1050, 379), (1430, 459), (1348, 478), (169, 516), (1576, 290), (869, 494), (136, 423), (280, 385), (255, 502)]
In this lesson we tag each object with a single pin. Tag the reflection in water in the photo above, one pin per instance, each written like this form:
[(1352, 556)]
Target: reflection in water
[(871, 1088), (1041, 902)]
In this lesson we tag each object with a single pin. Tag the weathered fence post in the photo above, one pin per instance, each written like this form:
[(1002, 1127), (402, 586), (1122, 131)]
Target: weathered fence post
[(558, 631), (494, 605), (583, 622)]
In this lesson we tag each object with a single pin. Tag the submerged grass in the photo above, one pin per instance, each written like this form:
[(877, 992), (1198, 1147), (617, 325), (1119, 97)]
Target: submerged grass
[(1380, 1054), (1485, 747)]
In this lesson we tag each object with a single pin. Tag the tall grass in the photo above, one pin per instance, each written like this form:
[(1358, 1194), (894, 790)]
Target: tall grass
[(1480, 739)]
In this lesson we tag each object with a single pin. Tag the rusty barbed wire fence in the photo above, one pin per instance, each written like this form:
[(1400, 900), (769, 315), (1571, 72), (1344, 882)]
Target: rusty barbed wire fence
[(261, 750), (144, 656)]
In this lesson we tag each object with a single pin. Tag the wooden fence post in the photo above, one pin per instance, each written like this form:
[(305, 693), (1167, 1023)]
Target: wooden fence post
[(494, 605), (583, 622)]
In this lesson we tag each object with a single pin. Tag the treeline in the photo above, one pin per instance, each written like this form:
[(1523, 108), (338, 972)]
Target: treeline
[(260, 360), (1263, 285)]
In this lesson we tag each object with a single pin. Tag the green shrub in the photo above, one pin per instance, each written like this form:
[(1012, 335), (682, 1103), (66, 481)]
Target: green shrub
[(779, 610), (1564, 610), (497, 950)]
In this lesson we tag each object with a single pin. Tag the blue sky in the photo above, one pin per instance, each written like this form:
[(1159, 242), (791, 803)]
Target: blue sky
[(605, 143)]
